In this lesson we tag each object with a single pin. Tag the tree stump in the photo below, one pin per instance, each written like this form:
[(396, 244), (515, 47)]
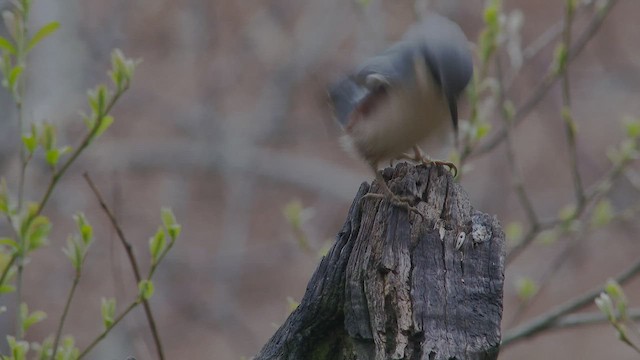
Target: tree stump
[(397, 285)]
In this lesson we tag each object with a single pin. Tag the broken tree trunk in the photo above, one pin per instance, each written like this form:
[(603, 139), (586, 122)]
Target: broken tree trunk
[(397, 285)]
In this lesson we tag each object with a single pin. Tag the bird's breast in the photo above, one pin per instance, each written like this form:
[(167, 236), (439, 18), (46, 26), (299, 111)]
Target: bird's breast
[(402, 120)]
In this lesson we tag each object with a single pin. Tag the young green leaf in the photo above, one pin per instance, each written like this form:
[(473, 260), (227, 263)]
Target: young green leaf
[(174, 231), (602, 213), (32, 319), (604, 303), (75, 251), (30, 142), (614, 290), (567, 213), (47, 136), (514, 232), (101, 99), (37, 234), (84, 228), (122, 69), (10, 243), (526, 288), (42, 33), (482, 130), (7, 289), (293, 213), (17, 348), (167, 216), (4, 197), (488, 41), (44, 350), (560, 57), (632, 127), (92, 99), (65, 150), (52, 156), (293, 304), (68, 350), (105, 123), (157, 244), (14, 75), (7, 46), (170, 223), (145, 289), (571, 7), (108, 310), (89, 121)]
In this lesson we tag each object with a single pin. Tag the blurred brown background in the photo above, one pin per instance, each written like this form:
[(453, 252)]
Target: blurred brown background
[(227, 123)]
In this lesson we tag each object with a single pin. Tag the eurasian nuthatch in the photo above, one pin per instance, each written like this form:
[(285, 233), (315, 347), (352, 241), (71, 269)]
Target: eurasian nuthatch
[(398, 98)]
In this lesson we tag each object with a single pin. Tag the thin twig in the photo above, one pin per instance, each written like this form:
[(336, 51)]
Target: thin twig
[(106, 331), (164, 253), (549, 80), (549, 319), (5, 271), (132, 260), (550, 35), (568, 120), (592, 318), (573, 158), (23, 172), (525, 200), (19, 319), (21, 42), (561, 259), (85, 142), (14, 256), (67, 306), (600, 188), (548, 274)]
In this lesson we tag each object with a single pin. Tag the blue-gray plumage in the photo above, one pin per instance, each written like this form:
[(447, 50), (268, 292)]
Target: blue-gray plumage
[(394, 100)]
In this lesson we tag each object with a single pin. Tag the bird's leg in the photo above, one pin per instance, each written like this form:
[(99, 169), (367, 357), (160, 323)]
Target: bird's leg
[(420, 156), (396, 200)]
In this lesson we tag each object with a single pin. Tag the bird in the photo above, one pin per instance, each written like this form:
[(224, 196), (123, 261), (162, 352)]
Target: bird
[(394, 100)]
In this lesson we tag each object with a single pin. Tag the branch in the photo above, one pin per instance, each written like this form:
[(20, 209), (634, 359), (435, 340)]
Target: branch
[(106, 331), (593, 318), (551, 318), (520, 190), (132, 260), (549, 80), (600, 188), (543, 40), (567, 117), (85, 142), (67, 306)]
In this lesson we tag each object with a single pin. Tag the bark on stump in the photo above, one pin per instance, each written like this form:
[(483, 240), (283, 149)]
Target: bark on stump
[(396, 285)]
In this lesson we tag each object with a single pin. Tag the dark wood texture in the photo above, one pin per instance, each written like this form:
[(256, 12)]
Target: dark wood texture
[(396, 285)]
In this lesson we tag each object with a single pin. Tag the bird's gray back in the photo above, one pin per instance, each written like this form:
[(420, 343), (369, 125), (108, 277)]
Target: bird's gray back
[(442, 45)]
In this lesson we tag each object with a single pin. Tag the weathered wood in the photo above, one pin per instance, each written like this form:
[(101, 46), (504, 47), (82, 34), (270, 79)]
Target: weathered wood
[(396, 285)]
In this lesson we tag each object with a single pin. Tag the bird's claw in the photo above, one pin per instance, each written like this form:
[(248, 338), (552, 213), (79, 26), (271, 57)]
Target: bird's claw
[(452, 167), (399, 201), (420, 157)]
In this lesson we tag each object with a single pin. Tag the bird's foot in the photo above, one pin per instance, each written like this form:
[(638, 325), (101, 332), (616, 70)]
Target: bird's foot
[(395, 200), (420, 157), (452, 167)]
